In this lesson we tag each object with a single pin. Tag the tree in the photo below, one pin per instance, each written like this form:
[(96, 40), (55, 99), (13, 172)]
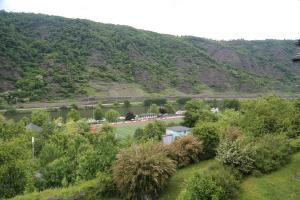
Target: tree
[(74, 115), (129, 116), (267, 115), (196, 111), (126, 104), (208, 133), (98, 113), (170, 108), (162, 110), (112, 115), (152, 131), (153, 109), (15, 169), (40, 117), (142, 170), (231, 104)]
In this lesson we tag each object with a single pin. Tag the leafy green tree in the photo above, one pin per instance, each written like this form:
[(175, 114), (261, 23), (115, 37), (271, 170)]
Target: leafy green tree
[(267, 115), (74, 115), (112, 115), (40, 117), (126, 104), (15, 168), (153, 109), (209, 134), (196, 112), (142, 170), (170, 108), (98, 158), (98, 113), (231, 104), (152, 131)]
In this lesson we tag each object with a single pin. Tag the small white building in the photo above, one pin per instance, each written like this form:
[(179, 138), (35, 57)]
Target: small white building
[(172, 133), (180, 112), (214, 110)]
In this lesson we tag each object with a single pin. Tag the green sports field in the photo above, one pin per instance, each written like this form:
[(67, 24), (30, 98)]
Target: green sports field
[(125, 130)]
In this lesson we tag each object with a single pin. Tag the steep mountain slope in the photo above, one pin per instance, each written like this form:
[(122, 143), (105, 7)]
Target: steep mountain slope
[(46, 57)]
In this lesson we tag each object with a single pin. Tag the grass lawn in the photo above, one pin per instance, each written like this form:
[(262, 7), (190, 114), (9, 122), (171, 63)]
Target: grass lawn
[(279, 185), (86, 190), (129, 129), (178, 181)]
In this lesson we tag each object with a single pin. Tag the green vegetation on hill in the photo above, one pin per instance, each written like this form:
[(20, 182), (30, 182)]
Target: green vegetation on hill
[(46, 57)]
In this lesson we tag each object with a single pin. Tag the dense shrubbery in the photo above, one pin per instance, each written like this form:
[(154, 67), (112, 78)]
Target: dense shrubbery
[(99, 113), (258, 138), (185, 150), (196, 112), (211, 185), (152, 131), (208, 134), (270, 152), (112, 115), (142, 170), (237, 154), (230, 104)]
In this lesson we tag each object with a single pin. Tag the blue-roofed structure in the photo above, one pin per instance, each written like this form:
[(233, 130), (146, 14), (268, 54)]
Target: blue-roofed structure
[(33, 127)]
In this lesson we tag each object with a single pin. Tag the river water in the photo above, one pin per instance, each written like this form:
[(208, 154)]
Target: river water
[(84, 112)]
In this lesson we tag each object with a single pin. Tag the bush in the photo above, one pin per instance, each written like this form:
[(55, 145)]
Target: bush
[(152, 131), (202, 187), (208, 134), (231, 104), (74, 115), (211, 185), (98, 114), (141, 171), (112, 115), (126, 104), (40, 117), (236, 153), (184, 150), (267, 115), (270, 152)]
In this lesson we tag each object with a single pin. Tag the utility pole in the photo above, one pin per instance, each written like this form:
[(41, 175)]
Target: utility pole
[(32, 141)]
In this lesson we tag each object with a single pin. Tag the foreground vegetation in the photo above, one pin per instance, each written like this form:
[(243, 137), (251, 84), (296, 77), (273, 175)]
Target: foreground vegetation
[(247, 139)]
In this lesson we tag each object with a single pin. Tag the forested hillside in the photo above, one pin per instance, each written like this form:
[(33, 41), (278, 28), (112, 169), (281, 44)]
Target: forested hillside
[(46, 57)]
